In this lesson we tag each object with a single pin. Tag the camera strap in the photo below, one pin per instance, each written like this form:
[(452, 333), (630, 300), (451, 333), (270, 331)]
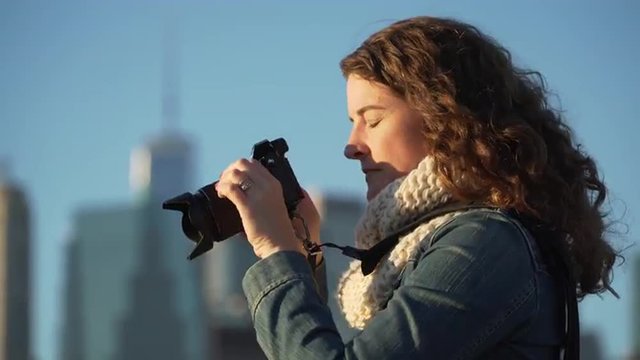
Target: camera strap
[(370, 258), (312, 249)]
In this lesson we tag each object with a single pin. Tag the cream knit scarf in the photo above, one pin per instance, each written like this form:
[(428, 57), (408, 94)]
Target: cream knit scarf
[(402, 201)]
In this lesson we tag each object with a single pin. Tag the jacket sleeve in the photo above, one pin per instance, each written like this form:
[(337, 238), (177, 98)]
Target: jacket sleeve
[(469, 290)]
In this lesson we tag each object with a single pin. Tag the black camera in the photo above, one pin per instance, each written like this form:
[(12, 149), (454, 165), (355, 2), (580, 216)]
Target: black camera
[(207, 218)]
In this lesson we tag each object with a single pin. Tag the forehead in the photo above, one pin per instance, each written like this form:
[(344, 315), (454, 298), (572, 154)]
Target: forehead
[(362, 92)]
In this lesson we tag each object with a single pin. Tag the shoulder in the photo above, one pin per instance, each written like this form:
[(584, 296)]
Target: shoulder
[(484, 223), (480, 265), (486, 233)]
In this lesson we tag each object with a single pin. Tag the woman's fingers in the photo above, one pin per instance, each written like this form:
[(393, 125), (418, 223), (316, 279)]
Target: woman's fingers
[(232, 192), (258, 197), (240, 178), (250, 174), (252, 167)]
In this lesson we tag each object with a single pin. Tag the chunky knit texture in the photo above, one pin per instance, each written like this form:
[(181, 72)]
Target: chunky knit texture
[(399, 203)]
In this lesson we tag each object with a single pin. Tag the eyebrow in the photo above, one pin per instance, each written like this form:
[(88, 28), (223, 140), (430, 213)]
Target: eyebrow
[(366, 108)]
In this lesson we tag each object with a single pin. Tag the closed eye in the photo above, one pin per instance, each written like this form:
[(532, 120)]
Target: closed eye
[(373, 123)]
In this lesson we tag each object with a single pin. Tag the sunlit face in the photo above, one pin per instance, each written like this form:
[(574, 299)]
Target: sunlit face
[(386, 136)]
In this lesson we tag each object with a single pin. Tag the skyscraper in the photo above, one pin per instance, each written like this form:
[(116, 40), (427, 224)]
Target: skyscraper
[(15, 274), (101, 255), (151, 327), (131, 293), (72, 333)]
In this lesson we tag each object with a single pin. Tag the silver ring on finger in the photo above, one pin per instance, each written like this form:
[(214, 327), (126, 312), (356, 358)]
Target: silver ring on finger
[(245, 184)]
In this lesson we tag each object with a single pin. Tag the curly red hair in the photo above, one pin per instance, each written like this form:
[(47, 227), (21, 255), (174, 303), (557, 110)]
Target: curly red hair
[(493, 134)]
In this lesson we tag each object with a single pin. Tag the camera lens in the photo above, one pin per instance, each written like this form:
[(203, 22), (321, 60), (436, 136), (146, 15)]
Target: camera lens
[(189, 230)]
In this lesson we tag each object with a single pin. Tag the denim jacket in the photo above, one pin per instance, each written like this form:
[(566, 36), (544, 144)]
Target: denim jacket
[(478, 288)]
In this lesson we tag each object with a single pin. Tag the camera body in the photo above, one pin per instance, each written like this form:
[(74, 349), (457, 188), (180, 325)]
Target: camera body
[(206, 218)]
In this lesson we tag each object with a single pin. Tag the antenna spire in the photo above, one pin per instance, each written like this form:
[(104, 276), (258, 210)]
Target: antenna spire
[(171, 78)]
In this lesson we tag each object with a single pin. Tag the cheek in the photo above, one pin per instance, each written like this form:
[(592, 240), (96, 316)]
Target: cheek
[(381, 147), (410, 150), (400, 147)]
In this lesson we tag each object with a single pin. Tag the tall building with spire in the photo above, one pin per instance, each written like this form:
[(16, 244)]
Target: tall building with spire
[(151, 327), (15, 274), (163, 166), (130, 292)]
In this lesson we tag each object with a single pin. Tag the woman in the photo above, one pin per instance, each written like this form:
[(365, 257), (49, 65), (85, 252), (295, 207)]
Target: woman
[(510, 228)]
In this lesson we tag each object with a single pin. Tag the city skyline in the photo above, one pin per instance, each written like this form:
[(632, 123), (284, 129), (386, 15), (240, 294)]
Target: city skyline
[(79, 93), (128, 281)]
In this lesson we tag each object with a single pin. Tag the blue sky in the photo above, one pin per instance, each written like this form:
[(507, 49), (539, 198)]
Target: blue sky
[(80, 86)]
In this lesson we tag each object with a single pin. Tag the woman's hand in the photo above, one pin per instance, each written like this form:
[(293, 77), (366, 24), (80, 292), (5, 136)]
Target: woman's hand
[(258, 197)]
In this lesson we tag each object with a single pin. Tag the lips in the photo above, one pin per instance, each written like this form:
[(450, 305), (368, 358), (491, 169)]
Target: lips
[(370, 174)]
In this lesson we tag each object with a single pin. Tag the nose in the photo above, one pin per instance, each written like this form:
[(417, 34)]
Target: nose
[(356, 147)]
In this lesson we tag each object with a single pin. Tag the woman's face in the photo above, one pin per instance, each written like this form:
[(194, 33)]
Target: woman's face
[(386, 136)]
